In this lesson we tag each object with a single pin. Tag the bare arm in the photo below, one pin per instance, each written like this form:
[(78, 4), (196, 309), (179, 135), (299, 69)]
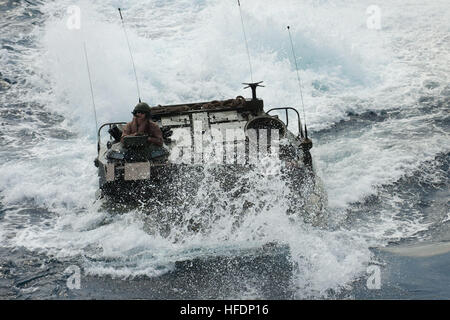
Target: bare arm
[(155, 136), (126, 131)]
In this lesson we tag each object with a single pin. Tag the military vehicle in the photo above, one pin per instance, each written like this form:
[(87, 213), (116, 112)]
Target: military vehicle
[(230, 137)]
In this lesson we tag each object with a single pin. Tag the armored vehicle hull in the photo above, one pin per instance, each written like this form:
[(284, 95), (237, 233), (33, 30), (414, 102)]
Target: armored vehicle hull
[(228, 138)]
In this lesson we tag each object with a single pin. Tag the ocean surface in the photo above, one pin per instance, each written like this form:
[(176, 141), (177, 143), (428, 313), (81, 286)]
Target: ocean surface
[(376, 90)]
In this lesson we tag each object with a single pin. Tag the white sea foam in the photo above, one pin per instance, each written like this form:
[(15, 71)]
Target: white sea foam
[(194, 51)]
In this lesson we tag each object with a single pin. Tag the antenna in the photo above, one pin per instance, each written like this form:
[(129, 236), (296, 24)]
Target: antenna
[(131, 55), (299, 83), (246, 43), (90, 83)]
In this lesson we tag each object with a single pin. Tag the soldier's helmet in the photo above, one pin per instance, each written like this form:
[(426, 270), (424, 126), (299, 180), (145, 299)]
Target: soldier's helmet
[(142, 107)]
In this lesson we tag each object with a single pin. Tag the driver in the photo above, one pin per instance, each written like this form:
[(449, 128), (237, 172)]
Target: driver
[(142, 125)]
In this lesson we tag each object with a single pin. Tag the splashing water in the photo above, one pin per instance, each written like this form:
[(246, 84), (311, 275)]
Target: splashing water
[(376, 103)]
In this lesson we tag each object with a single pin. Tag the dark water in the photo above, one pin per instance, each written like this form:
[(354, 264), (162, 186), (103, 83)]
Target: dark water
[(394, 222)]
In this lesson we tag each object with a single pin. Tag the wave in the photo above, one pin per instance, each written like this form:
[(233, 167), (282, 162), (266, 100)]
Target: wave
[(374, 110)]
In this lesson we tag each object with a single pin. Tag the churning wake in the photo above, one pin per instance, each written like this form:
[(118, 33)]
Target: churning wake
[(376, 102)]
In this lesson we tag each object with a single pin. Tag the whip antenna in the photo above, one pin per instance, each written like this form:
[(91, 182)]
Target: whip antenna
[(299, 84), (90, 83), (131, 55), (245, 38)]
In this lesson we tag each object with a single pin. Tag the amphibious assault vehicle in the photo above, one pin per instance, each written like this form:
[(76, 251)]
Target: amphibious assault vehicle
[(230, 137)]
